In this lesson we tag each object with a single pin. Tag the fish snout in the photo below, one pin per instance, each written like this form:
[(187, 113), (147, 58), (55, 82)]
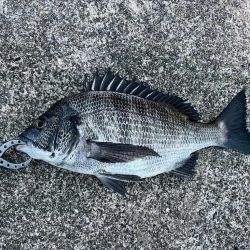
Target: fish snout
[(29, 135)]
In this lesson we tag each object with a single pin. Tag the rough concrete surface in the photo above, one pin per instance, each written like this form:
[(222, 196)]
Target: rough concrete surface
[(196, 49)]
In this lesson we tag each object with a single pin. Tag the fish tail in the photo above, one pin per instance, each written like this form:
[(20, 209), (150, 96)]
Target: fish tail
[(232, 121)]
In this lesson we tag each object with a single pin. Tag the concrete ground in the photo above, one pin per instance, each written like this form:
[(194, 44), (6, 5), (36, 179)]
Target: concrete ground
[(196, 49)]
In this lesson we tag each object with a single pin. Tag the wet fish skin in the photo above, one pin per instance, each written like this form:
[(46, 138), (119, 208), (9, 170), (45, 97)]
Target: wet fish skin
[(117, 135)]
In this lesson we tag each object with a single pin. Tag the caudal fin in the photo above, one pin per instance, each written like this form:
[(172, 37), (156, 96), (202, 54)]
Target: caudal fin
[(233, 121)]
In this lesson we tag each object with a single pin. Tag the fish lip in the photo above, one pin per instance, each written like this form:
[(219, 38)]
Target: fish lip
[(26, 143), (25, 140)]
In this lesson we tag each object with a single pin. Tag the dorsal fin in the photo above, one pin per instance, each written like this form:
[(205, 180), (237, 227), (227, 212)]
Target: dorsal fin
[(113, 82)]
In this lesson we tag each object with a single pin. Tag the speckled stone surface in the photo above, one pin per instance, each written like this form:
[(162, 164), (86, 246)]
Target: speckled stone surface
[(196, 49)]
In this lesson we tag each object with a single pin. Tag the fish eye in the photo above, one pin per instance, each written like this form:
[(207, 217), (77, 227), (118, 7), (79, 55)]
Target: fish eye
[(41, 123)]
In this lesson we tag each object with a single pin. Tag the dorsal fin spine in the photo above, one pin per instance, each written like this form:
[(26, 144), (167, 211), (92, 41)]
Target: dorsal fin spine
[(152, 94), (129, 88), (94, 83), (145, 92), (111, 83), (103, 81), (157, 96), (122, 85), (134, 90)]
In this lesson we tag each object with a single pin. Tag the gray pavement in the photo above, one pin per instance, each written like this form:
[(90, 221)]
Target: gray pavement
[(196, 49)]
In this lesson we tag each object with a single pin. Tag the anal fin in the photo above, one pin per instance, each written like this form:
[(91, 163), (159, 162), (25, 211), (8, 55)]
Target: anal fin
[(187, 166)]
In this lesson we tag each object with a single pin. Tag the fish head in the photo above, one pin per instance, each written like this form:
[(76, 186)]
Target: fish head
[(52, 136)]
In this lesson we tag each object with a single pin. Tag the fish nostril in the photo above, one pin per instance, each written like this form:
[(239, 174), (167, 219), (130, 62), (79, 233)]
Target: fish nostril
[(52, 155)]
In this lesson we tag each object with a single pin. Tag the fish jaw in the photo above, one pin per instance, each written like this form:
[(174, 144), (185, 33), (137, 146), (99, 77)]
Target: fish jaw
[(34, 152), (29, 148), (39, 154)]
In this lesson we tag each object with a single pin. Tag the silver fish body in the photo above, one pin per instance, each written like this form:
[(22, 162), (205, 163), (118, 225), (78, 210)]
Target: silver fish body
[(123, 131), (126, 119)]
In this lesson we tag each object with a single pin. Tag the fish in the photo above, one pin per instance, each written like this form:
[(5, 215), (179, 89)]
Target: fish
[(122, 131)]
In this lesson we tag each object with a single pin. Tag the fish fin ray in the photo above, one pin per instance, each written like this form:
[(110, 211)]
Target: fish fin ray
[(113, 82), (187, 166), (116, 152), (112, 184), (122, 177), (232, 120)]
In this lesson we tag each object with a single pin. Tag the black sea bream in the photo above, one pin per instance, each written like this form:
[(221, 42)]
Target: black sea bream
[(120, 130)]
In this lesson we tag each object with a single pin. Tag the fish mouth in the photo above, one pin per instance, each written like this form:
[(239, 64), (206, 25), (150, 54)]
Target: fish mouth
[(27, 142), (25, 139)]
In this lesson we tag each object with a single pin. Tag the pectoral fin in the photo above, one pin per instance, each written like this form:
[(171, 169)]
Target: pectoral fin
[(115, 152)]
